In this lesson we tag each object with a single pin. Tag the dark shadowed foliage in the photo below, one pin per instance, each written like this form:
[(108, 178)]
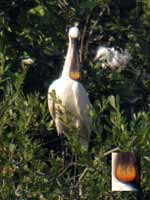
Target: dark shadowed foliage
[(31, 165)]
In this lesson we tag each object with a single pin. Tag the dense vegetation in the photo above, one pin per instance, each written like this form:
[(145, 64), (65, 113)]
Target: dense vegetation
[(30, 164)]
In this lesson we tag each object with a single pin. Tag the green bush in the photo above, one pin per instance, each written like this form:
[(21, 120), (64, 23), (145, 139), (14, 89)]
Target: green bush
[(31, 166)]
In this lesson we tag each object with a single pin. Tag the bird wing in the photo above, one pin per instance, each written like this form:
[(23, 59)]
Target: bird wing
[(82, 104), (51, 104)]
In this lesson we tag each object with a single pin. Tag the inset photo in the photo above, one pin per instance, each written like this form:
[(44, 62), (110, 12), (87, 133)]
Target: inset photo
[(125, 171)]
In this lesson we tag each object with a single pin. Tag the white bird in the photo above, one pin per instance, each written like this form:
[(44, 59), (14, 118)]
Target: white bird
[(72, 94), (113, 59), (118, 185)]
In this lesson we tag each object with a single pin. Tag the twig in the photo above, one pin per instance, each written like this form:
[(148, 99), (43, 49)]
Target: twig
[(83, 174), (83, 37), (147, 158), (70, 164), (79, 181), (112, 150)]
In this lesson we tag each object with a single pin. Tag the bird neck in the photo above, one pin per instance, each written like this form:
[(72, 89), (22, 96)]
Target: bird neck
[(71, 65)]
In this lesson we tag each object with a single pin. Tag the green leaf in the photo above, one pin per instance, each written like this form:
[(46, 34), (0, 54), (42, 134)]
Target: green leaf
[(112, 101), (12, 148)]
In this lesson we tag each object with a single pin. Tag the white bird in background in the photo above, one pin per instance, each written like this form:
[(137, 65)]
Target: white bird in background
[(72, 94), (118, 185), (113, 59)]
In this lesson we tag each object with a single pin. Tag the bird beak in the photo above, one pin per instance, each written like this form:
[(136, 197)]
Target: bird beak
[(75, 65), (95, 58)]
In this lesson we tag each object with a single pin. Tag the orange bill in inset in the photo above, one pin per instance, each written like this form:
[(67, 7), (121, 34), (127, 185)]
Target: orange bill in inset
[(125, 171)]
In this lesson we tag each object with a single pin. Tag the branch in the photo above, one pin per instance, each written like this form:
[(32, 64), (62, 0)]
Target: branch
[(83, 38), (111, 151)]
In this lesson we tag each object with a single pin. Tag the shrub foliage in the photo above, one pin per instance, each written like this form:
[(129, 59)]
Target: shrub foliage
[(31, 166)]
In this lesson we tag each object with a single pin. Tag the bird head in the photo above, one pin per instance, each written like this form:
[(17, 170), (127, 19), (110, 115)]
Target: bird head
[(73, 32), (112, 58), (103, 53)]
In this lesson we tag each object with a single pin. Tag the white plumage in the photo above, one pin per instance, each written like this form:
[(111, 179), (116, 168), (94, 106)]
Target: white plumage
[(113, 59), (73, 32), (72, 94)]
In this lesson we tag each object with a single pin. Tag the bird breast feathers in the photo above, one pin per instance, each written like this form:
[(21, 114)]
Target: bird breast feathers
[(72, 95)]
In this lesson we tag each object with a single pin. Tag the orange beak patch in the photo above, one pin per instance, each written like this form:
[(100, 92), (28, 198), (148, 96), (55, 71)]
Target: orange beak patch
[(75, 75), (126, 173)]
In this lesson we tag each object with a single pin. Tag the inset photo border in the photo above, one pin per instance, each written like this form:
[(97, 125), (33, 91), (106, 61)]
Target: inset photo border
[(125, 171)]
